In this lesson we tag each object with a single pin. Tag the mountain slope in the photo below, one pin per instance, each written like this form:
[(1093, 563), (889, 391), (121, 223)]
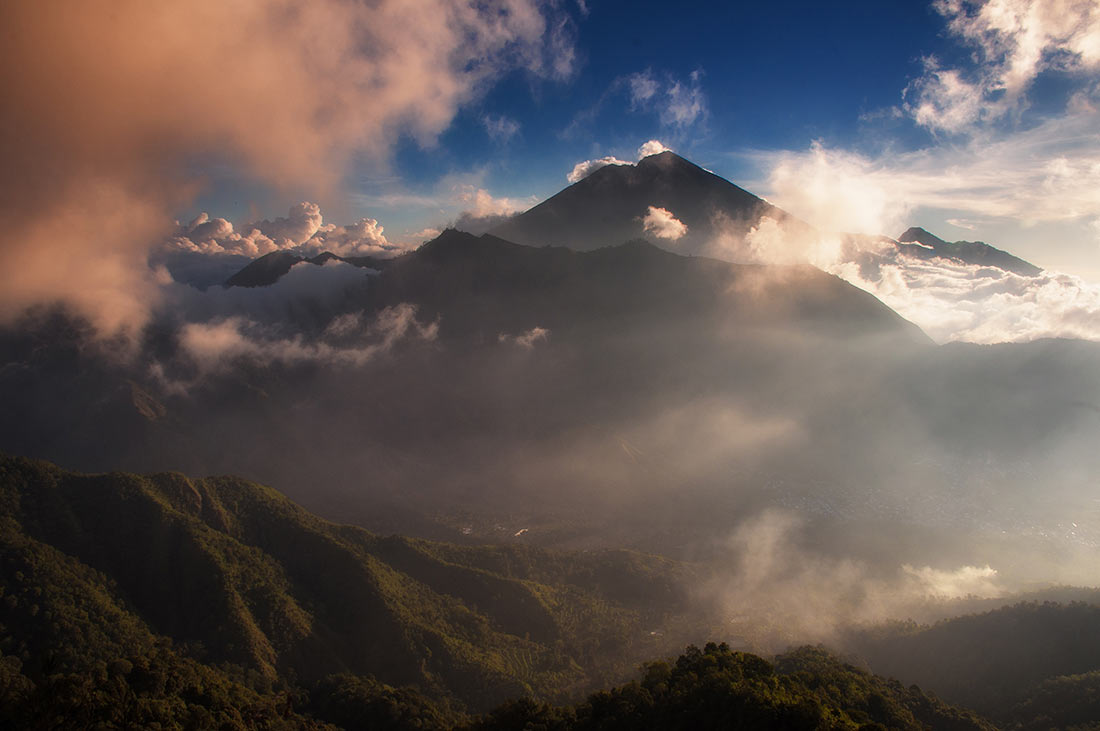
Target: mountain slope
[(237, 569), (608, 207), (716, 688), (918, 243), (269, 268), (1014, 664)]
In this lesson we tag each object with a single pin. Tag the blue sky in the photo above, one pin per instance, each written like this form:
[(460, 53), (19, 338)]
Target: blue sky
[(240, 128), (765, 85)]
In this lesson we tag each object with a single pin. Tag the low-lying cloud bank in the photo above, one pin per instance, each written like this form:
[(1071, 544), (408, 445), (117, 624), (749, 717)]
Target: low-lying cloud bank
[(950, 300)]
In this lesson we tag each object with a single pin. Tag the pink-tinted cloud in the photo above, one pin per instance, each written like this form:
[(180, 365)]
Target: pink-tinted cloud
[(108, 103)]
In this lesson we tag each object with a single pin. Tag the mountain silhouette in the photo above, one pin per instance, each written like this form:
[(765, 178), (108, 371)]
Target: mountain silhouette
[(609, 206), (921, 244)]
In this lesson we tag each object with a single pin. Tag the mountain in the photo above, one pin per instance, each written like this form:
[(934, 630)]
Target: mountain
[(236, 569), (1031, 665), (159, 600), (269, 268), (918, 243), (486, 285), (608, 207), (715, 687)]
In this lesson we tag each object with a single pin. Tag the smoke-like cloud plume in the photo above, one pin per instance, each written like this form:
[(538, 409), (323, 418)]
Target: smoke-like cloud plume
[(110, 107)]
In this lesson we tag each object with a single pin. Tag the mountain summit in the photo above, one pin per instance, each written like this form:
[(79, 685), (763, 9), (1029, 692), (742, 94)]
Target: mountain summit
[(921, 244), (611, 206)]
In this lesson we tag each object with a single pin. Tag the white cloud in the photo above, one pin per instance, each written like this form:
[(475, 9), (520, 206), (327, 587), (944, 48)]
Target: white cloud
[(303, 231), (679, 103), (1048, 173), (1015, 42), (661, 223), (943, 100), (653, 147), (643, 87), (963, 582), (949, 300), (953, 301), (685, 102), (583, 169), (480, 202), (350, 340), (500, 129), (483, 210)]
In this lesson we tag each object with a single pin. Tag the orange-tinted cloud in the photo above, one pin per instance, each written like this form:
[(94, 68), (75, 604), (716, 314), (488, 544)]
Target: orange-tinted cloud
[(108, 104)]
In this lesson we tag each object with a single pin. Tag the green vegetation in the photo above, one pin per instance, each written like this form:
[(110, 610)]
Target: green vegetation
[(1032, 665), (161, 601), (195, 599), (718, 688)]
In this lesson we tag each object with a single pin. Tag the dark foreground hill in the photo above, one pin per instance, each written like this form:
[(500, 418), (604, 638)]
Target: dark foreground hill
[(1030, 666), (96, 565), (135, 601), (716, 688)]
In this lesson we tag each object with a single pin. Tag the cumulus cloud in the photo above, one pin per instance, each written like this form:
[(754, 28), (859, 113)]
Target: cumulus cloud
[(101, 138), (661, 223), (1015, 41), (483, 210), (653, 147), (302, 231), (583, 169)]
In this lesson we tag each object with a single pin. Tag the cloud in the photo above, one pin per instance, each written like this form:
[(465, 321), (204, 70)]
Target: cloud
[(964, 582), (1048, 173), (685, 103), (678, 103), (583, 169), (953, 301), (653, 147), (643, 87), (500, 129), (947, 299), (526, 340), (302, 231), (350, 340), (661, 223), (1015, 41), (777, 592), (485, 211), (101, 138)]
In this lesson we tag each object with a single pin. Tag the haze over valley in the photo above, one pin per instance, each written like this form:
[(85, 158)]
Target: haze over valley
[(525, 446)]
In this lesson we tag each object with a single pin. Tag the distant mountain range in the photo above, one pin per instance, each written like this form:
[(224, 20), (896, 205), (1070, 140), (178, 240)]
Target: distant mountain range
[(919, 244), (269, 268), (609, 207)]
